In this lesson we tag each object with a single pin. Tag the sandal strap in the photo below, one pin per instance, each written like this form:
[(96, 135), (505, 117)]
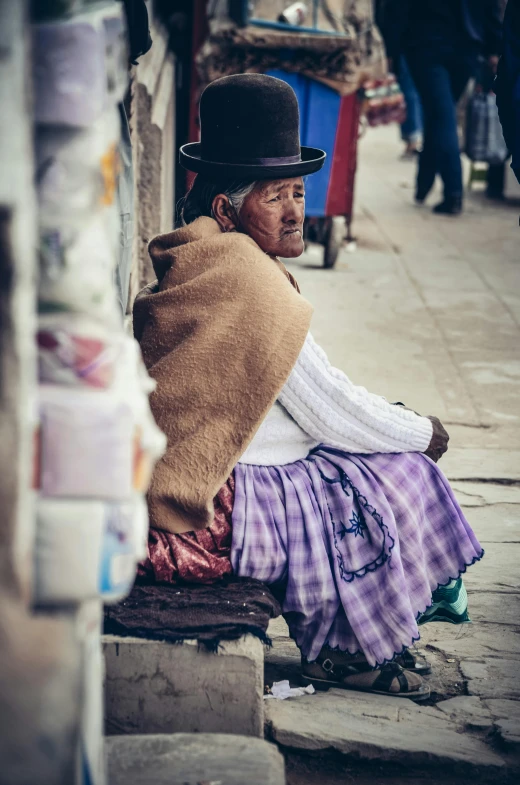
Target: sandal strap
[(387, 675), (383, 682), (412, 660), (407, 659), (345, 669)]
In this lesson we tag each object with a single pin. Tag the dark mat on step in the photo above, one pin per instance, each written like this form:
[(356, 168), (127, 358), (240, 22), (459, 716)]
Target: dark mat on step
[(225, 610)]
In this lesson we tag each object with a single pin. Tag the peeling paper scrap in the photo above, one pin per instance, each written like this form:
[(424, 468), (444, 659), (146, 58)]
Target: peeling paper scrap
[(281, 690)]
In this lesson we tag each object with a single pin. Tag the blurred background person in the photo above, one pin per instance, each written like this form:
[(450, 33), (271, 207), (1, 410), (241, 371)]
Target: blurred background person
[(495, 180), (412, 128), (442, 41), (507, 84)]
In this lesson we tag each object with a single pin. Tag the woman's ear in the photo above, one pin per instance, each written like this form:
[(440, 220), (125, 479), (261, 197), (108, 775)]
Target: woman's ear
[(224, 213)]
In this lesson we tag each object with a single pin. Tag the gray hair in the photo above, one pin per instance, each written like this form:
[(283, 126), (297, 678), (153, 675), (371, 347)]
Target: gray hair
[(199, 199)]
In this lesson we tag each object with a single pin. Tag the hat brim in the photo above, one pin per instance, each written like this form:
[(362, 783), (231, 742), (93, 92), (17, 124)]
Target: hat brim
[(312, 160)]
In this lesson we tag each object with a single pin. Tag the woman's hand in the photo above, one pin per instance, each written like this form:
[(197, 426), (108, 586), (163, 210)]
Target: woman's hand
[(439, 441)]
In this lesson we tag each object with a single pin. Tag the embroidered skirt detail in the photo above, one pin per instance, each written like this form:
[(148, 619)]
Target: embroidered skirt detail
[(360, 544), (196, 557)]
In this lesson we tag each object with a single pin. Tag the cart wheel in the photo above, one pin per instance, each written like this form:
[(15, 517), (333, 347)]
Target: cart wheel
[(333, 241)]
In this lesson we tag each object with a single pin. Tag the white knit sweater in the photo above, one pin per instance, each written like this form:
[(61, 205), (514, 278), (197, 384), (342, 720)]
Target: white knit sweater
[(320, 405)]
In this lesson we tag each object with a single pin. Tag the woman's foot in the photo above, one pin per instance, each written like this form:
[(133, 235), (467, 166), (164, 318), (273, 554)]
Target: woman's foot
[(450, 205), (422, 189), (337, 669), (421, 195)]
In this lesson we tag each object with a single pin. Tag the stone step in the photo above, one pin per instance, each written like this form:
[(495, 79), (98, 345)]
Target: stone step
[(159, 687), (377, 728), (192, 759)]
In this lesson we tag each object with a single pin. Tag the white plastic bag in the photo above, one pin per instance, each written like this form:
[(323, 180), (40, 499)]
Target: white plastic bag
[(484, 138)]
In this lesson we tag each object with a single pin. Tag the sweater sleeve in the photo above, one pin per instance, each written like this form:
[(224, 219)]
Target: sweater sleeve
[(331, 409)]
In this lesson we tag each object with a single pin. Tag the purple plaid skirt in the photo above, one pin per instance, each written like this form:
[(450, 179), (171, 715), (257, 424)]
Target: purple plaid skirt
[(359, 543)]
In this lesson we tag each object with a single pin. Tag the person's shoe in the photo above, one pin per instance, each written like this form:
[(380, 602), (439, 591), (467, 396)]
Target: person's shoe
[(411, 151), (421, 195), (451, 205), (495, 194), (413, 660)]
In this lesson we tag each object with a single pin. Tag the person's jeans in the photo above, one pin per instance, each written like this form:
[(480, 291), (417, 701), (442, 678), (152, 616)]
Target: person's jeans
[(412, 128), (440, 79)]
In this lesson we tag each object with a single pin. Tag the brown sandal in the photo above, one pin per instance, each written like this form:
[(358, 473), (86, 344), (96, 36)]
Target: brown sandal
[(412, 660), (324, 674)]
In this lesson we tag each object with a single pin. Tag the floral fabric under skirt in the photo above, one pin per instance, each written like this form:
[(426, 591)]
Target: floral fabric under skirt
[(360, 544), (195, 557)]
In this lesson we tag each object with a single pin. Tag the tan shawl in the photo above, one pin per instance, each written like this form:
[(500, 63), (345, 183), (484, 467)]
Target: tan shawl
[(220, 332)]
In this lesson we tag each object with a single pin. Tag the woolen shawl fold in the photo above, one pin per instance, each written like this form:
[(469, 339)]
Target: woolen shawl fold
[(220, 332)]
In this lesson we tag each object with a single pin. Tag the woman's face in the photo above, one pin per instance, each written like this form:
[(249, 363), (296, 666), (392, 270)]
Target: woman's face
[(273, 213)]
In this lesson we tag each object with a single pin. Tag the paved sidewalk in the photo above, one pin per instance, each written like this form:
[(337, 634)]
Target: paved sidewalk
[(427, 311)]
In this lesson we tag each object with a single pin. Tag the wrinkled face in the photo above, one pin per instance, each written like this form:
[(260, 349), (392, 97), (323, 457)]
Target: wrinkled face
[(273, 213)]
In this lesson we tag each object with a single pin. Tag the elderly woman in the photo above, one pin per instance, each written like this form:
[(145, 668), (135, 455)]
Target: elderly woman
[(278, 467)]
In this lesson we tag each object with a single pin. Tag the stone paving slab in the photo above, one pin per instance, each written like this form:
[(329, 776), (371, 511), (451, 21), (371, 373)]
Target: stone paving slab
[(506, 716), (492, 678), (193, 759), (473, 494), (498, 570), (501, 608), (428, 717), (467, 711), (484, 436), (496, 375), (461, 463), (473, 256), (493, 329), (494, 522), (503, 709), (509, 731), (338, 721), (472, 640)]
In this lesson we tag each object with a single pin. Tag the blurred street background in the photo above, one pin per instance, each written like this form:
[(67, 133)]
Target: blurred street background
[(424, 307)]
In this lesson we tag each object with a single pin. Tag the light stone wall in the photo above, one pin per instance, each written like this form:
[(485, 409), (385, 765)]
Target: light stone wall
[(152, 124), (17, 299), (38, 662)]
